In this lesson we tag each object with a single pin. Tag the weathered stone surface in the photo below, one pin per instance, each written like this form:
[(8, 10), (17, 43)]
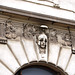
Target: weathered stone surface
[(22, 43)]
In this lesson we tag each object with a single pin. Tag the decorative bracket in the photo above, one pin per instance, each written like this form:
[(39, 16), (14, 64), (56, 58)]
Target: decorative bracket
[(72, 39)]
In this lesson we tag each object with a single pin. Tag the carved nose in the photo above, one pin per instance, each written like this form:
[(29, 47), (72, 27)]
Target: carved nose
[(43, 42)]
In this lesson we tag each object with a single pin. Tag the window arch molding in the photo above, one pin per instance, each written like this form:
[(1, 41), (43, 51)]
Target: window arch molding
[(48, 65)]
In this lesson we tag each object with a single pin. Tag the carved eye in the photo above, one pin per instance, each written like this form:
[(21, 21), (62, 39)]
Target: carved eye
[(41, 39), (45, 40)]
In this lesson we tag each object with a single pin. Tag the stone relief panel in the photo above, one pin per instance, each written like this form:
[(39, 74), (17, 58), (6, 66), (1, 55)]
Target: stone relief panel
[(64, 39), (10, 31), (28, 31), (53, 35), (39, 36), (59, 36)]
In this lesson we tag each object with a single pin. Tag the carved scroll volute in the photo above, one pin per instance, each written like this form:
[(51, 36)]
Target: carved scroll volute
[(10, 31)]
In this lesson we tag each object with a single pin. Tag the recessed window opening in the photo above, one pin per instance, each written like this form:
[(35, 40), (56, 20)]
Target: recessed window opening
[(36, 70)]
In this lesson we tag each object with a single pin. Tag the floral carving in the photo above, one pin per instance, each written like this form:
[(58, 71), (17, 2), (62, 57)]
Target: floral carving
[(64, 39), (53, 35), (10, 31), (29, 31)]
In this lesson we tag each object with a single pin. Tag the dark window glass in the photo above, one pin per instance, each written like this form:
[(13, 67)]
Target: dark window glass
[(36, 70)]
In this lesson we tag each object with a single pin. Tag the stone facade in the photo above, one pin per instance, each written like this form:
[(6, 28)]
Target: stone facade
[(24, 41)]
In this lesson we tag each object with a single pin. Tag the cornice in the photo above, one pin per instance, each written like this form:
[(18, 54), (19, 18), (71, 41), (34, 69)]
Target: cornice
[(36, 15)]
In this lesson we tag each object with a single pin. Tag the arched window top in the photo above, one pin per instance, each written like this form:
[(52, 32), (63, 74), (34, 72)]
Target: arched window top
[(37, 70), (40, 69)]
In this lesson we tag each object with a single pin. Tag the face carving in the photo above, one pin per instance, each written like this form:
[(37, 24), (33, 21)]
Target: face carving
[(42, 41)]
